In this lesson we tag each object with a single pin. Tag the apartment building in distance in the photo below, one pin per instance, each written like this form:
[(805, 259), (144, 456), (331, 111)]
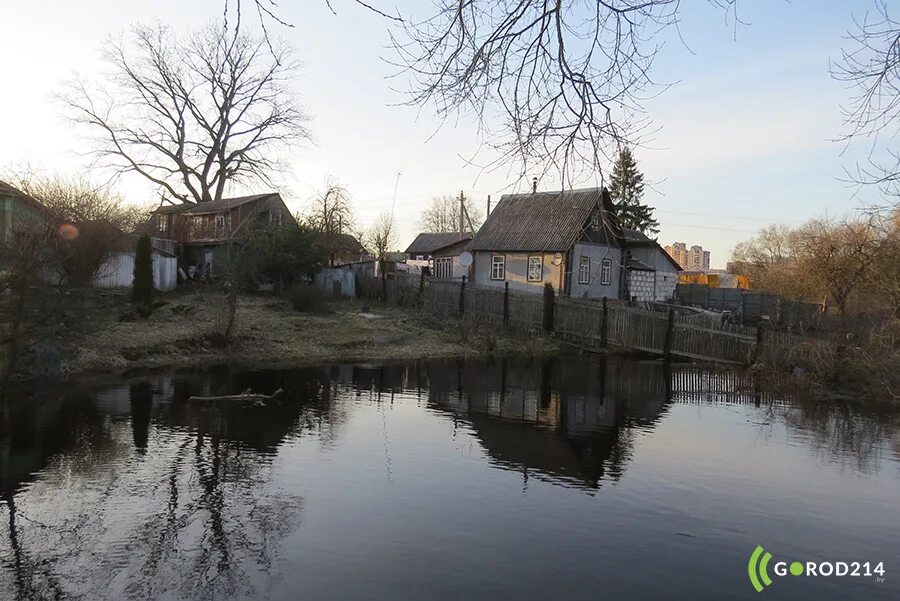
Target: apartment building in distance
[(691, 259)]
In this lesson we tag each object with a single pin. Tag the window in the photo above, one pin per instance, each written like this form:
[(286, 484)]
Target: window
[(220, 225), (595, 221), (535, 268), (443, 267), (605, 272), (584, 270), (498, 267)]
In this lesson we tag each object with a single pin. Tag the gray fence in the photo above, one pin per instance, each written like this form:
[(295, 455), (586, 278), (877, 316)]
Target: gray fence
[(750, 308), (590, 324)]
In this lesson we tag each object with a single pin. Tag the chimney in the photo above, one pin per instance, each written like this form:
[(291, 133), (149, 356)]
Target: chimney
[(488, 206), (534, 185)]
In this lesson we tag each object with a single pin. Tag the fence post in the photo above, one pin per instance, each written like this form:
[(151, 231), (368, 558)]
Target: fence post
[(759, 343), (549, 299), (462, 297), (670, 331), (505, 304), (383, 282), (604, 326), (421, 288)]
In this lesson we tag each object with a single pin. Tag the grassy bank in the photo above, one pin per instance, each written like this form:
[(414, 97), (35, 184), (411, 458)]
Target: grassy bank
[(186, 332)]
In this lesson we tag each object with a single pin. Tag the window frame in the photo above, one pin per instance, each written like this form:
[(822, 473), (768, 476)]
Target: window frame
[(595, 221), (606, 272), (584, 270), (540, 263), (443, 268), (219, 229), (498, 260)]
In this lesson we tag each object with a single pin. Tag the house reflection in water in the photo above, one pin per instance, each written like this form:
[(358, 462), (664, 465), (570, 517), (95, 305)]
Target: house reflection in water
[(567, 421)]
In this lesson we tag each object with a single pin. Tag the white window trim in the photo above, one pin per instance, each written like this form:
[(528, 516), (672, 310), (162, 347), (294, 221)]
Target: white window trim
[(605, 272), (498, 260), (584, 275), (540, 260), (443, 267)]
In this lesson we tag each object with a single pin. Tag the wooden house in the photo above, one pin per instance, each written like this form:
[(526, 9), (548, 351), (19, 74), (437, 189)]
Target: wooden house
[(440, 253), (570, 240), (204, 231), (18, 211)]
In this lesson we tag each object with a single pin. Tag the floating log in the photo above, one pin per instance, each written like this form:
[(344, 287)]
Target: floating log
[(245, 397)]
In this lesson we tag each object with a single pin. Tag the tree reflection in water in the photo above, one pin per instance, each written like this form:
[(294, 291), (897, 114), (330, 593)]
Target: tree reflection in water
[(133, 492)]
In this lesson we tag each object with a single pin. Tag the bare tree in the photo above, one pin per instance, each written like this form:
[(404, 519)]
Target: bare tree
[(443, 215), (191, 114), (566, 77), (92, 222), (331, 210), (382, 236), (871, 68)]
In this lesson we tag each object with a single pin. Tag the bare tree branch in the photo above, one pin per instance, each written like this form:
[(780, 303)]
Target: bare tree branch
[(191, 115)]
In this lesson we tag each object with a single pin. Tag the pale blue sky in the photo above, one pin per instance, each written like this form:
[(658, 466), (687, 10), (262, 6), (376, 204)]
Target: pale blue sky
[(744, 138)]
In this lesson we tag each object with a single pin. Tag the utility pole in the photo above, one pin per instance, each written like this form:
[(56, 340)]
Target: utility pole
[(488, 207), (462, 212)]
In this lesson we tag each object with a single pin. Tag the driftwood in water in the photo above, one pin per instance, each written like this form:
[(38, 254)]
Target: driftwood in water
[(245, 397)]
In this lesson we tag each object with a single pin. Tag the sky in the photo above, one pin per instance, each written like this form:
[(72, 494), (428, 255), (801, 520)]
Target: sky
[(745, 135)]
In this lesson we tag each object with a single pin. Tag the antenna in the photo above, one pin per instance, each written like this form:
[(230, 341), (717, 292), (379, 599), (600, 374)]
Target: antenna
[(394, 201)]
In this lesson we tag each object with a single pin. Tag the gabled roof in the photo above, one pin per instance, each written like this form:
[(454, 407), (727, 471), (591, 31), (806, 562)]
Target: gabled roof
[(337, 242), (541, 221), (452, 250), (8, 190), (635, 238), (226, 204), (426, 242)]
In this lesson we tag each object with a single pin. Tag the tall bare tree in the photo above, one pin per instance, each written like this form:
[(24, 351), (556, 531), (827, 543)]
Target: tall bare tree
[(870, 65), (331, 209), (191, 114), (443, 215), (382, 235)]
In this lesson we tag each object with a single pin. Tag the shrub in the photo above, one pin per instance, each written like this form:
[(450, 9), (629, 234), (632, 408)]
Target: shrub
[(142, 284), (306, 298)]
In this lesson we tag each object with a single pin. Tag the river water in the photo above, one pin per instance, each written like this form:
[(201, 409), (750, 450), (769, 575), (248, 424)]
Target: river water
[(565, 478)]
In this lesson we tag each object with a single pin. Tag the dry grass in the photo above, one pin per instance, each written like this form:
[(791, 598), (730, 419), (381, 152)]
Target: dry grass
[(269, 332), (856, 360)]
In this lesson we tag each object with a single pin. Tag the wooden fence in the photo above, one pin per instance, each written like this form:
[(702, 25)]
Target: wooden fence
[(592, 325)]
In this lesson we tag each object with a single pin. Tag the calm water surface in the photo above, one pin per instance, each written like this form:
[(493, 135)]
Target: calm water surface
[(544, 479)]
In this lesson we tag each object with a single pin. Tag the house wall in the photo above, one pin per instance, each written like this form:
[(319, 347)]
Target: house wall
[(641, 285), (666, 276), (14, 214), (594, 289), (517, 271), (458, 270)]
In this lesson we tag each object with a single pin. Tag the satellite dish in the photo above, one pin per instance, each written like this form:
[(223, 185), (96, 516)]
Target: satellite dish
[(557, 259), (465, 259)]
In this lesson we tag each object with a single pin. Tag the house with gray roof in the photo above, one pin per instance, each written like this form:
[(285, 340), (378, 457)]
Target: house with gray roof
[(204, 231), (440, 253), (570, 240)]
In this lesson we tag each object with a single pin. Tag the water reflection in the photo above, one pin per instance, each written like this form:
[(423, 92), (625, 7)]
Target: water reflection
[(131, 491)]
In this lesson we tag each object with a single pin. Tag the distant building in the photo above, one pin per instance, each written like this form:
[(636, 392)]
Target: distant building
[(693, 259)]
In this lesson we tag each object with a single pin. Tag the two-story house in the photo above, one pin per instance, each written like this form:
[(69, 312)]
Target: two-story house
[(204, 231)]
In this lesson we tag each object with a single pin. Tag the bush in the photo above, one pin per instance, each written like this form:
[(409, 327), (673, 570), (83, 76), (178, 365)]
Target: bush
[(306, 298), (142, 284)]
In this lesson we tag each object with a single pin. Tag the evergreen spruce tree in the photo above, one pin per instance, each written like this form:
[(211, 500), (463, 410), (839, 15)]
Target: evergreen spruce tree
[(626, 188), (142, 284)]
